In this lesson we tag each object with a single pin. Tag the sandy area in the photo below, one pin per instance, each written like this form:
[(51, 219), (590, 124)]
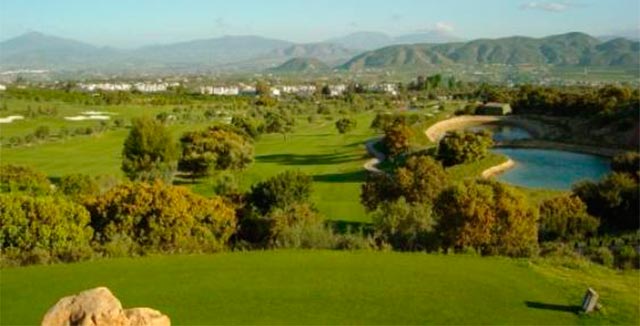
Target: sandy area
[(495, 170), (436, 131), (91, 117), (11, 118)]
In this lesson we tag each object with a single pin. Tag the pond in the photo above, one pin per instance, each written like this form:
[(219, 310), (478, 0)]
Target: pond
[(503, 132), (554, 169)]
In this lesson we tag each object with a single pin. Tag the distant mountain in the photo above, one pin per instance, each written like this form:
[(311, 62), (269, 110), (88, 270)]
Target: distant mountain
[(301, 65), (375, 40), (210, 52), (329, 52), (565, 49), (44, 51)]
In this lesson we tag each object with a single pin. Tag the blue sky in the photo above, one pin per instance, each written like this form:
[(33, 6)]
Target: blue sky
[(141, 22)]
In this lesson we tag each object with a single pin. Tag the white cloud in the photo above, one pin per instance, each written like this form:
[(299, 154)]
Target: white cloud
[(444, 27), (546, 6)]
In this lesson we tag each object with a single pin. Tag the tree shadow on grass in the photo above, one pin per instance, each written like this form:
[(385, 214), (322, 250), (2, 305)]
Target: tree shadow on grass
[(354, 176), (310, 159), (345, 227), (550, 306)]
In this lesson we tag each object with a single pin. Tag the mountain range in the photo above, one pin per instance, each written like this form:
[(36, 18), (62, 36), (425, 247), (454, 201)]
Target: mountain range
[(254, 53)]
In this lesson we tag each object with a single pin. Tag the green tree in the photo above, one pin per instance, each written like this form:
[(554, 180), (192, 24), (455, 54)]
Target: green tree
[(404, 225), (78, 186), (149, 152), (488, 216), (565, 218), (214, 149), (419, 180), (462, 147), (250, 126), (276, 122), (614, 199), (280, 191), (345, 125)]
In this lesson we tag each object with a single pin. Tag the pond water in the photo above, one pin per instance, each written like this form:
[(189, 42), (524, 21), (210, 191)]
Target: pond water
[(502, 132), (543, 168)]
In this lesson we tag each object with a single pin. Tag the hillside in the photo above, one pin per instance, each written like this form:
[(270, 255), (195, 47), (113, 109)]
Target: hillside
[(572, 49), (301, 65)]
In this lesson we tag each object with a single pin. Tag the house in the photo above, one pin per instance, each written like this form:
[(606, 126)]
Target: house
[(494, 108)]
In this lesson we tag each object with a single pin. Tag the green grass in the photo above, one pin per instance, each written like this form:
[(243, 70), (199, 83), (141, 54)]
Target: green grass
[(322, 287), (335, 161)]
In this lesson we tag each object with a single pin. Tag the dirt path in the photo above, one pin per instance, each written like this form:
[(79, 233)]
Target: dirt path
[(534, 127), (495, 170), (378, 156)]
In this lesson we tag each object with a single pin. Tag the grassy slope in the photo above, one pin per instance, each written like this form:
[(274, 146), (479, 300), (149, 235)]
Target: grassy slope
[(302, 287)]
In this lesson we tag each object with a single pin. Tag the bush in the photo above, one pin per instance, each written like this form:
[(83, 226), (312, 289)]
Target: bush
[(602, 256), (15, 178), (405, 226), (41, 229), (160, 217), (627, 258), (627, 163), (565, 218), (78, 186), (614, 199), (489, 216), (460, 147)]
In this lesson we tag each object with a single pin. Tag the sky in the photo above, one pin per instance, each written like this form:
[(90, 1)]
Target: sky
[(124, 23)]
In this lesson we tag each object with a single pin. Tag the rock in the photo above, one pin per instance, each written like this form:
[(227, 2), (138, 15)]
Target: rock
[(98, 307)]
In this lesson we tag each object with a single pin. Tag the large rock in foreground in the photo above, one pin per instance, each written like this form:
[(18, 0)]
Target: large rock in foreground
[(98, 307)]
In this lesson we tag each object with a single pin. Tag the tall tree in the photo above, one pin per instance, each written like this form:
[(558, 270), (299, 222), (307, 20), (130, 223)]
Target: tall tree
[(149, 152)]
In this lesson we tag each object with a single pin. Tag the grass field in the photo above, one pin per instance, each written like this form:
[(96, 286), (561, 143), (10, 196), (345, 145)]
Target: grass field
[(324, 287)]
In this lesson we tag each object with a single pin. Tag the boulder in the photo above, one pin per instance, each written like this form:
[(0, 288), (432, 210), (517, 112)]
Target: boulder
[(97, 307)]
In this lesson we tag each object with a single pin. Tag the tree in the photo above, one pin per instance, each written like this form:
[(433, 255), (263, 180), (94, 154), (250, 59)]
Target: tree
[(214, 149), (276, 122), (280, 191), (404, 225), (565, 218), (250, 126), (160, 217), (488, 216), (462, 147), (397, 139), (149, 152), (16, 178), (419, 180), (614, 199), (345, 125)]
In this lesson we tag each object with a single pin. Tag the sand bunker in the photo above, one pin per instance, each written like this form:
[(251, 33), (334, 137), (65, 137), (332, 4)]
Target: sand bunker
[(11, 118), (90, 117), (96, 113)]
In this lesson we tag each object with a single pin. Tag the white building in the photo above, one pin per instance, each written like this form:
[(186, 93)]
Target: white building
[(337, 90), (3, 88), (226, 90)]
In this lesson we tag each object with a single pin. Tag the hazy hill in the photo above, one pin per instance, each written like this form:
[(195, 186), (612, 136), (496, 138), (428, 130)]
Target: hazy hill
[(375, 40), (565, 49), (301, 65)]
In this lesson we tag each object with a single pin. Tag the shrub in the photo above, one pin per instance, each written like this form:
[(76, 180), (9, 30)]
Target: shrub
[(405, 226), (15, 178), (462, 147), (602, 256), (160, 217), (627, 163), (627, 258), (78, 186), (489, 216), (40, 229), (565, 218)]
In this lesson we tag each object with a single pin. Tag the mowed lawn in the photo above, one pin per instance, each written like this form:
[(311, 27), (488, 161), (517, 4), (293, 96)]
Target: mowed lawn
[(333, 160), (325, 287)]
